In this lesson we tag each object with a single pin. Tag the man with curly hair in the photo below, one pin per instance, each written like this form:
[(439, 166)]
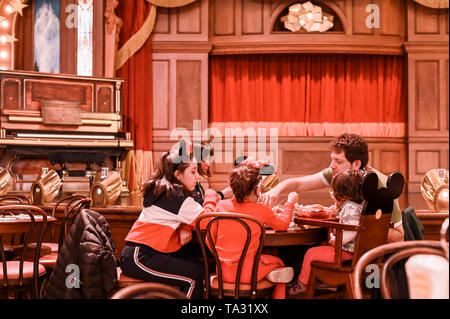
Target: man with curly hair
[(348, 152)]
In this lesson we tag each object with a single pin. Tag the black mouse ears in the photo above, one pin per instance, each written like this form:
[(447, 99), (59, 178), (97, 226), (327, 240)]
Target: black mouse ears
[(394, 186), (395, 182)]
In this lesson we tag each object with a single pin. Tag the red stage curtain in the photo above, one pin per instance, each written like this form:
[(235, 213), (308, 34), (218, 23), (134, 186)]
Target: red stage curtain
[(309, 95), (137, 88)]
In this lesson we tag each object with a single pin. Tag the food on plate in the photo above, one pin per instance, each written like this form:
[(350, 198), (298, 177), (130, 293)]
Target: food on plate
[(314, 211)]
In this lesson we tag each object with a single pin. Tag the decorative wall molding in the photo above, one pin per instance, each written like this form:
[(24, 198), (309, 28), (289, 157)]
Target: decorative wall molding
[(437, 4)]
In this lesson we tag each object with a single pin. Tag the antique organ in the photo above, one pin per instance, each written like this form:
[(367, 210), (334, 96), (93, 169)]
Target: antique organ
[(68, 123)]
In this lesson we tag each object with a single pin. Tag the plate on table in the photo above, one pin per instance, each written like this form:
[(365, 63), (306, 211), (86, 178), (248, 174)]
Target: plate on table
[(314, 211)]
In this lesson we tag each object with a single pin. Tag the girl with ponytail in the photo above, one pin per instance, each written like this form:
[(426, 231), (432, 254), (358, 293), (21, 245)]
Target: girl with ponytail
[(154, 246)]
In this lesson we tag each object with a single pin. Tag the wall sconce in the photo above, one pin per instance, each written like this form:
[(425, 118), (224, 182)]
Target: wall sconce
[(307, 16), (106, 188), (46, 187), (269, 182)]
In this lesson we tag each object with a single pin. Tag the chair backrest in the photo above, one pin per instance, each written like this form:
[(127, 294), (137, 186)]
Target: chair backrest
[(148, 290), (21, 220), (242, 220), (376, 212), (73, 208), (444, 236), (396, 251), (11, 199), (66, 200)]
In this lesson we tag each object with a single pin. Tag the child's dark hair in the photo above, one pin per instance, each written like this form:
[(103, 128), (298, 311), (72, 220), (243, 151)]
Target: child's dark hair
[(163, 178), (347, 186), (243, 180)]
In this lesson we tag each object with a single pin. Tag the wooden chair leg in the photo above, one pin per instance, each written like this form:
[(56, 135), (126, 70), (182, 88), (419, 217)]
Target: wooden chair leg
[(311, 288), (349, 288)]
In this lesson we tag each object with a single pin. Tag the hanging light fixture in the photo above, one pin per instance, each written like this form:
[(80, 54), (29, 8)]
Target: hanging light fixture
[(308, 17)]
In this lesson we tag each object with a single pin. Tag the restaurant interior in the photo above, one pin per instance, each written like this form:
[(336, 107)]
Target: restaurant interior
[(94, 93)]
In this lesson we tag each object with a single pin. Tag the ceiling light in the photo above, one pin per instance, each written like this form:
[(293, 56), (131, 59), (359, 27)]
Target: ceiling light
[(308, 17)]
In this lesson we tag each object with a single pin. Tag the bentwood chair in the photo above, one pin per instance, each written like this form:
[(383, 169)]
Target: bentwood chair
[(73, 205), (11, 199), (214, 284), (371, 232), (18, 277), (55, 241), (148, 290), (392, 254)]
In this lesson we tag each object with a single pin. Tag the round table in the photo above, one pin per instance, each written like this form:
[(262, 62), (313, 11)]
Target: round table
[(297, 235)]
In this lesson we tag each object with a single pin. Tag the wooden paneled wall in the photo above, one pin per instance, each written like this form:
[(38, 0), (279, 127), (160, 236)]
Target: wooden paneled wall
[(180, 71), (184, 38), (246, 26), (428, 104)]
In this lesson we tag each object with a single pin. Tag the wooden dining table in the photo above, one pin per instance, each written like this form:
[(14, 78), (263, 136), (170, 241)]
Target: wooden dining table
[(124, 213), (21, 223), (295, 235)]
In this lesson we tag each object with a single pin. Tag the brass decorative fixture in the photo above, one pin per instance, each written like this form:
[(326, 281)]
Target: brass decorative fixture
[(106, 188), (435, 190), (46, 187), (5, 179)]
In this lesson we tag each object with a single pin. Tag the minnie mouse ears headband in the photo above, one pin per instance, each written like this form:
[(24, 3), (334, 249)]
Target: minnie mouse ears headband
[(264, 167), (183, 151)]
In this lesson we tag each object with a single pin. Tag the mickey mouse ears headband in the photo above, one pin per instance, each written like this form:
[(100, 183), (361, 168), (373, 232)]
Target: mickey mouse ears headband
[(264, 167), (183, 151)]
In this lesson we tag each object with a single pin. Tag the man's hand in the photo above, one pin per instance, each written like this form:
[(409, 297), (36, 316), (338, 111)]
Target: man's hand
[(270, 198), (185, 236), (293, 198)]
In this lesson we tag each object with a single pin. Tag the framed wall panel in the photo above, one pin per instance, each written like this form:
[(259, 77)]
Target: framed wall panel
[(424, 156), (161, 94), (252, 16)]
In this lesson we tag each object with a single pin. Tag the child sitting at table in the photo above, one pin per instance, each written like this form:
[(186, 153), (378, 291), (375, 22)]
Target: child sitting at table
[(245, 184), (347, 194), (155, 246)]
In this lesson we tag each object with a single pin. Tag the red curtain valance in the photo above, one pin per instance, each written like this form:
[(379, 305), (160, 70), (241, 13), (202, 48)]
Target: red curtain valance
[(309, 94)]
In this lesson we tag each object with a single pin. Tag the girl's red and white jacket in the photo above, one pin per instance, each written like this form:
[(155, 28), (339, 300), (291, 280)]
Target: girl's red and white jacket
[(160, 220)]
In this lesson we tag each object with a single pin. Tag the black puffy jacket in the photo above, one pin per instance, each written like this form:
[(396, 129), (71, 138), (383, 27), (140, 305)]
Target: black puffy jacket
[(89, 248)]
